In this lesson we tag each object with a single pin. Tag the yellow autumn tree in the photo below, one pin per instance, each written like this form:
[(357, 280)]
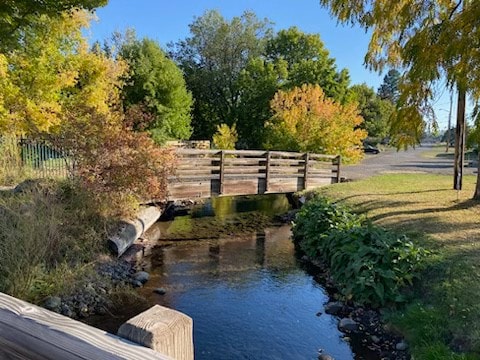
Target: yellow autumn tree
[(226, 137), (51, 73), (306, 120)]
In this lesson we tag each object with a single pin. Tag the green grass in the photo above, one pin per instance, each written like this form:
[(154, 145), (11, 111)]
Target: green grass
[(445, 311)]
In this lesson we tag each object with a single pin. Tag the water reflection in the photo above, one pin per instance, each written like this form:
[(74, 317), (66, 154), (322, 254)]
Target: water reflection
[(222, 207), (247, 296)]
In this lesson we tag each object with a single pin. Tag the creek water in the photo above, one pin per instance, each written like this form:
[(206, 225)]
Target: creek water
[(246, 292)]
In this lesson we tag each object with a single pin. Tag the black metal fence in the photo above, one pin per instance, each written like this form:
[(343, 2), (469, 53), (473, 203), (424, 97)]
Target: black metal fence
[(33, 158)]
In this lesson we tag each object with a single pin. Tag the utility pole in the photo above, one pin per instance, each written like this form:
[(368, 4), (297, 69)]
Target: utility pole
[(449, 135), (459, 140)]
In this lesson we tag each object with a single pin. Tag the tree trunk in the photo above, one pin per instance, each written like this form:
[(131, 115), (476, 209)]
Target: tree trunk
[(459, 141), (476, 196)]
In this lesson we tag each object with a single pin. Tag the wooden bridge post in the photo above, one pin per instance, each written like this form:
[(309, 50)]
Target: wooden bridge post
[(267, 172), (305, 171), (339, 161), (222, 171), (162, 329)]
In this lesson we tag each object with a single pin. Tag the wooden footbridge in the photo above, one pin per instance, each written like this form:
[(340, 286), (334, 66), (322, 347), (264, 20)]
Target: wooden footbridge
[(208, 173)]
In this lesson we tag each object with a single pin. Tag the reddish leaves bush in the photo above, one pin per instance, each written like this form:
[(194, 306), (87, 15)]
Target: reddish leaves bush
[(117, 165)]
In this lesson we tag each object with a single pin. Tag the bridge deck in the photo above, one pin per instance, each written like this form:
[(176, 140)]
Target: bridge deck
[(207, 173)]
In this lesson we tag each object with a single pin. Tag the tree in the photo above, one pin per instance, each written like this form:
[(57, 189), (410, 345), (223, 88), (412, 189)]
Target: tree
[(430, 39), (226, 137), (260, 81), (308, 62), (212, 59), (17, 15), (52, 72), (306, 120), (54, 88), (375, 111), (388, 90), (292, 58), (155, 82)]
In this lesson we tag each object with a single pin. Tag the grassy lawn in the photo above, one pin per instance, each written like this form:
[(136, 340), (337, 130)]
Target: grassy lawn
[(444, 313)]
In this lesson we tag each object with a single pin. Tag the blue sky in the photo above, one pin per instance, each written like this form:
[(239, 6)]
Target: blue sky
[(167, 21)]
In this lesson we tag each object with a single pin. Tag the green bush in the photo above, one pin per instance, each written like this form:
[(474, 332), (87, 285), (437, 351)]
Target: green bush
[(369, 264), (315, 221)]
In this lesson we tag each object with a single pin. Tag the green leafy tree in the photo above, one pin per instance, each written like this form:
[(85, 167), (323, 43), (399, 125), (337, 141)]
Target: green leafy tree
[(260, 81), (156, 82), (212, 59), (375, 111), (306, 120), (226, 137), (388, 90), (308, 62), (292, 58)]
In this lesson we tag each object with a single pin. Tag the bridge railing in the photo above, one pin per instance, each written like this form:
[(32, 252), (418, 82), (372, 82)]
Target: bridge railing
[(31, 332), (206, 173)]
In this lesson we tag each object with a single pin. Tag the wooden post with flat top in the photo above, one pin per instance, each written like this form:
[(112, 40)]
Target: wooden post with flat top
[(162, 329)]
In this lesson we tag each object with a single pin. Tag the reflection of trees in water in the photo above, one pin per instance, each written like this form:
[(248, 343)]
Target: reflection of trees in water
[(271, 204), (260, 249), (233, 261), (223, 206)]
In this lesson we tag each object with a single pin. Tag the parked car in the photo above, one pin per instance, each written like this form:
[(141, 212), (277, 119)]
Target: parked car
[(370, 149)]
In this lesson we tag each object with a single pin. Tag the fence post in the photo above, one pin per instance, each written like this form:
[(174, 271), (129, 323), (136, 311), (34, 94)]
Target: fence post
[(305, 172), (222, 170), (267, 172), (339, 161)]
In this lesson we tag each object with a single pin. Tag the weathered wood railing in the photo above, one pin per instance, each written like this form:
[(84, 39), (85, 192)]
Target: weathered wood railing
[(30, 332), (207, 173)]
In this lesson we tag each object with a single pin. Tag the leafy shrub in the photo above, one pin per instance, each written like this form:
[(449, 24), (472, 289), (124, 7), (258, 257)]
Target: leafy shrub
[(368, 264), (116, 165), (316, 219), (226, 137)]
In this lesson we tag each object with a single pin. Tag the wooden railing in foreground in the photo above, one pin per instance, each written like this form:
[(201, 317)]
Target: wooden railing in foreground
[(207, 173), (31, 332)]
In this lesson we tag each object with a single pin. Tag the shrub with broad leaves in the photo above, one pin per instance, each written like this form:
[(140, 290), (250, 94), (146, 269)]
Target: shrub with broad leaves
[(370, 265)]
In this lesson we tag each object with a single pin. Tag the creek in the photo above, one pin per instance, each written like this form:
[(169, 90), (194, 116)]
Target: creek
[(238, 277)]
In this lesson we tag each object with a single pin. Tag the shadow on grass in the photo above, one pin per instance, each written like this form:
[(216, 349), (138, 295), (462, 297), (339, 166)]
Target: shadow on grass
[(449, 155), (392, 193), (433, 226), (425, 165), (464, 205)]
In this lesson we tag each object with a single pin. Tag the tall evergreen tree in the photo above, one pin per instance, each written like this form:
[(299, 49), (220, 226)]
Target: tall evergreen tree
[(388, 90), (375, 111)]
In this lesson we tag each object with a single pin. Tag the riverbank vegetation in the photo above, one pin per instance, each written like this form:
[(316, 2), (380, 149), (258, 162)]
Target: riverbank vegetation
[(49, 236), (368, 264), (440, 319)]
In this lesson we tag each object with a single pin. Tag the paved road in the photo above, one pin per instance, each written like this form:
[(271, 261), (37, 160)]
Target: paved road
[(408, 161)]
